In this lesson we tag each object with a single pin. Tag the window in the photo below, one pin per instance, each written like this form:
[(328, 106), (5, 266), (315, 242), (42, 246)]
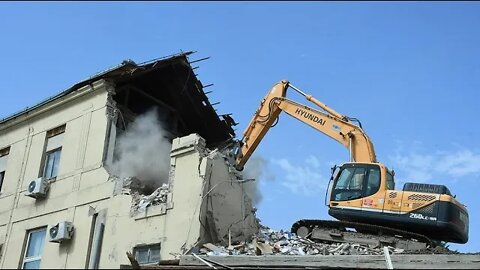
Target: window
[(34, 249), (147, 254), (390, 181), (51, 163), (53, 151), (356, 181), (3, 164), (2, 176), (343, 180), (349, 184), (373, 183)]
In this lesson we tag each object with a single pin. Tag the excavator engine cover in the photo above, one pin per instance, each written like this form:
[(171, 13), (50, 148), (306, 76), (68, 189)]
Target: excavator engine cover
[(427, 188)]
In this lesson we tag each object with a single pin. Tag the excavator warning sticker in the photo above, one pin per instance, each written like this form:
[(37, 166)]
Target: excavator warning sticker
[(367, 202)]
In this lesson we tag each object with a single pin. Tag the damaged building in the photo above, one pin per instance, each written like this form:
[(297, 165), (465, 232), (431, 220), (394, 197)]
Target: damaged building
[(129, 160)]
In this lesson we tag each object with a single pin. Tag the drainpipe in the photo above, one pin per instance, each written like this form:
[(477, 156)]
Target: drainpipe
[(97, 248)]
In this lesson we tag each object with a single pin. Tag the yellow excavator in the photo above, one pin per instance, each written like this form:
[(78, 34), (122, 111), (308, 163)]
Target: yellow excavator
[(361, 194)]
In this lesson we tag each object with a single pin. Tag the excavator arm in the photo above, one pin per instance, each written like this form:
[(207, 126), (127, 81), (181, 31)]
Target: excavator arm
[(336, 126)]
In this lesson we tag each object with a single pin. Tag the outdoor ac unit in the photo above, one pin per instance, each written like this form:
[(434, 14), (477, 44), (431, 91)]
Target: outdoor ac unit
[(60, 232), (37, 188)]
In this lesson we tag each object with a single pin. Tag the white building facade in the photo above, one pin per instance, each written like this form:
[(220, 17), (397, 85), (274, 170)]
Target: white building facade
[(61, 208)]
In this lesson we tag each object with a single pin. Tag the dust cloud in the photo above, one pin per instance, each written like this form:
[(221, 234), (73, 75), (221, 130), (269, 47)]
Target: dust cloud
[(143, 151), (256, 168)]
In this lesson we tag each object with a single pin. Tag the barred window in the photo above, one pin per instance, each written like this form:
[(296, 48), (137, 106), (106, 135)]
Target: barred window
[(147, 254)]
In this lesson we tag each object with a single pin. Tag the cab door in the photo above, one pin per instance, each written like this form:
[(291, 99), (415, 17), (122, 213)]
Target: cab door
[(358, 188), (373, 198)]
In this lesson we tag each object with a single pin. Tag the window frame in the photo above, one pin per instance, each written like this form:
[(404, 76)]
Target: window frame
[(367, 191), (3, 153), (26, 245), (2, 178), (46, 159), (149, 248), (391, 180), (336, 191), (347, 187), (59, 130)]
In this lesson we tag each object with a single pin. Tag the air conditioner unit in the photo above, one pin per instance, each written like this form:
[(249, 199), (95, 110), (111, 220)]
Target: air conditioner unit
[(60, 232), (37, 188)]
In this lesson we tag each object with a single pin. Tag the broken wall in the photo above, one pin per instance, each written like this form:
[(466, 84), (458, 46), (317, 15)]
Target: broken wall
[(204, 202), (229, 212), (208, 199)]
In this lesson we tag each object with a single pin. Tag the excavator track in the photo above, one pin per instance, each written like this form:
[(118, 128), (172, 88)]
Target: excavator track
[(336, 231)]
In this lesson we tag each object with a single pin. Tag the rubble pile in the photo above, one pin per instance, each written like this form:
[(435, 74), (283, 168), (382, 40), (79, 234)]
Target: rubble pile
[(140, 201), (131, 185), (271, 242), (435, 250)]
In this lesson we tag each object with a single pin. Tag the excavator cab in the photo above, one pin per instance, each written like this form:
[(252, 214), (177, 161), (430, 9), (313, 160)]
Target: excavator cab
[(356, 181), (353, 181), (364, 193)]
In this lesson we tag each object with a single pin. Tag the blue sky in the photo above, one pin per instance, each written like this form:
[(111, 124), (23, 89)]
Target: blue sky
[(409, 71)]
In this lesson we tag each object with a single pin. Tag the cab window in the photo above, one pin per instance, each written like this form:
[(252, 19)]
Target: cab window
[(349, 184), (356, 182), (390, 181), (373, 183)]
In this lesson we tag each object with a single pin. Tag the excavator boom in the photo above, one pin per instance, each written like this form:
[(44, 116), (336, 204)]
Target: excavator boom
[(329, 122)]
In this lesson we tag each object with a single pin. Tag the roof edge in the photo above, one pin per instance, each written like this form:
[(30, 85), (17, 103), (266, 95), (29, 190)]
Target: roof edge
[(91, 79)]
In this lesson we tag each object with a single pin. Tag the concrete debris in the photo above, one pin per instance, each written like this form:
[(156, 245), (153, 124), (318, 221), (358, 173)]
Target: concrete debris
[(140, 202), (263, 248), (141, 192), (328, 262), (131, 185), (271, 242), (214, 250), (439, 250)]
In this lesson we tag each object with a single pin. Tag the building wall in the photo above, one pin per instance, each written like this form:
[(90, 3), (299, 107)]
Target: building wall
[(84, 191), (81, 178)]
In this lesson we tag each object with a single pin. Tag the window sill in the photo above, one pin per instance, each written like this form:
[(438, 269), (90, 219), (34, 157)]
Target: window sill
[(52, 179), (154, 210), (149, 264)]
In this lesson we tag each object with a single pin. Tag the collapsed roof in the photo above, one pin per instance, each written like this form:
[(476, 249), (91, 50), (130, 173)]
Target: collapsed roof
[(169, 83)]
